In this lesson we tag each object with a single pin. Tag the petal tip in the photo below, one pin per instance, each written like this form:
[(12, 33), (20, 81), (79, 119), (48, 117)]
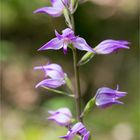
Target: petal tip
[(36, 86), (34, 12), (40, 49)]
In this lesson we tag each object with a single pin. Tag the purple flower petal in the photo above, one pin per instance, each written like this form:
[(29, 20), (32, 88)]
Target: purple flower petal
[(109, 46), (58, 35), (51, 83), (61, 116), (106, 102), (111, 92), (54, 67), (86, 136), (65, 111), (61, 119), (81, 44), (56, 9), (121, 42), (54, 71), (54, 44), (77, 129), (68, 33), (59, 3), (56, 74), (83, 131), (55, 12), (72, 133)]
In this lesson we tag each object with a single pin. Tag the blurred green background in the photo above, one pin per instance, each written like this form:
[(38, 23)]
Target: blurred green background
[(24, 108)]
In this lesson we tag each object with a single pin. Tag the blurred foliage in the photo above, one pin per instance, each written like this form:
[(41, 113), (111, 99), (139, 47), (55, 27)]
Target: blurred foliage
[(24, 108)]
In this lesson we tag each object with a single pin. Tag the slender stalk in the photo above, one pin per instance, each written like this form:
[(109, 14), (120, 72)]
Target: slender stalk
[(78, 90), (77, 78)]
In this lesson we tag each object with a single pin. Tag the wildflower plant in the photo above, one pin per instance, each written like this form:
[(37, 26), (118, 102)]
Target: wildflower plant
[(56, 77)]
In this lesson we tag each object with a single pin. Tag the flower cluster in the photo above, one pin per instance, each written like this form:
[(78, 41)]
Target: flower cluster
[(63, 117), (56, 77)]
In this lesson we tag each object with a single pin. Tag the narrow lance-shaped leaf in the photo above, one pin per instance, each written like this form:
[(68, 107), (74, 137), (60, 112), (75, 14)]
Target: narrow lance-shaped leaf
[(88, 107)]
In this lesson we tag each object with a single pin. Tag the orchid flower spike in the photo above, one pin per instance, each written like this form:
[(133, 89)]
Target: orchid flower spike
[(54, 74), (56, 9), (109, 46), (62, 41), (62, 116), (106, 97), (77, 129)]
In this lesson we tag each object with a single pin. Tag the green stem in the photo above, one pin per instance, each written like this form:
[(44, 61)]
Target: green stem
[(77, 81), (77, 78), (70, 22)]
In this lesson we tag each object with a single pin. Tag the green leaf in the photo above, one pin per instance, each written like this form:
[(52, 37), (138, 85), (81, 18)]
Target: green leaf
[(86, 58)]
